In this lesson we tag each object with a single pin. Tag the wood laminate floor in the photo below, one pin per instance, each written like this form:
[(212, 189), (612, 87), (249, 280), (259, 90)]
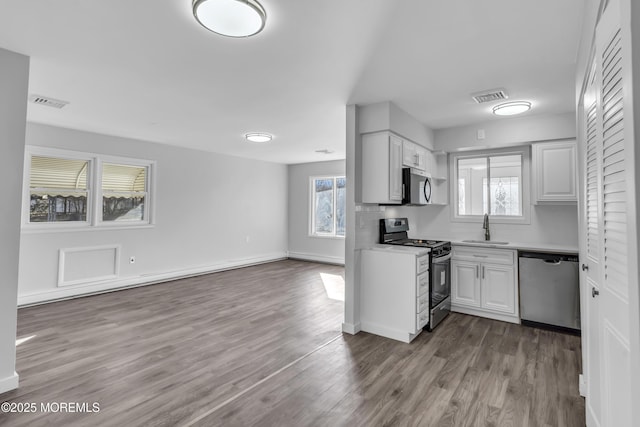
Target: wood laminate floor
[(261, 346)]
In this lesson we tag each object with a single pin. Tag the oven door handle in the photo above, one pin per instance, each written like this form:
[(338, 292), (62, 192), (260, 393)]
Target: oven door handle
[(441, 258)]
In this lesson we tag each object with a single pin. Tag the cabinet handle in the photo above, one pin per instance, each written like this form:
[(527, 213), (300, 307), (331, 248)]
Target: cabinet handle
[(477, 271), (483, 271), (480, 256)]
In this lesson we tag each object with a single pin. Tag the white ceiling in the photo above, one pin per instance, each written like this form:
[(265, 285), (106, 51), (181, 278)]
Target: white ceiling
[(145, 69)]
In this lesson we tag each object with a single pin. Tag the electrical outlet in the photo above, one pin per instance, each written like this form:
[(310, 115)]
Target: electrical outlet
[(132, 260)]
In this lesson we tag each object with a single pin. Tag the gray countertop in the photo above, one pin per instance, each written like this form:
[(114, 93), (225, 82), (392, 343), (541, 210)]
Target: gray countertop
[(537, 247)]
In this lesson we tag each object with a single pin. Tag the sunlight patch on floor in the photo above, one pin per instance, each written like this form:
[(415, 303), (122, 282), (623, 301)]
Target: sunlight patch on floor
[(23, 340), (333, 285)]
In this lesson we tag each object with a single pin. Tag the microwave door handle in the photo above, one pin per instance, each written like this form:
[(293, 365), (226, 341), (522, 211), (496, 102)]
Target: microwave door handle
[(427, 185)]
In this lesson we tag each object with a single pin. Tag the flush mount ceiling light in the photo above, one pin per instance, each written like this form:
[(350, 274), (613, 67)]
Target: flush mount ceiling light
[(258, 137), (511, 108), (231, 18)]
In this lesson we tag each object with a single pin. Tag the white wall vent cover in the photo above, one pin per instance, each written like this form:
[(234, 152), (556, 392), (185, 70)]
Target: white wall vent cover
[(489, 95), (49, 102)]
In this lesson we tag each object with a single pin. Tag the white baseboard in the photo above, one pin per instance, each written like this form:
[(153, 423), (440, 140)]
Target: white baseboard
[(487, 314), (9, 383), (351, 328), (317, 258), (384, 331), (582, 386), (142, 280)]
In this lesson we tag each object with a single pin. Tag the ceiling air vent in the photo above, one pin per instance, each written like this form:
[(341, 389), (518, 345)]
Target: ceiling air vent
[(489, 95), (49, 102)]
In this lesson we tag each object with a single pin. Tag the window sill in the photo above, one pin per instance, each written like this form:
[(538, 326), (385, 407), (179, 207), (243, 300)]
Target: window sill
[(320, 236), (30, 229)]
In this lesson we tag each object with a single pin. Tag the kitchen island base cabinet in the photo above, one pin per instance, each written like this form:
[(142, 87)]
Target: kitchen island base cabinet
[(394, 294), (484, 283)]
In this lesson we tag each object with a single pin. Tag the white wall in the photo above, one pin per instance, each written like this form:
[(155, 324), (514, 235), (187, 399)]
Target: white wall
[(550, 224), (14, 80), (301, 244), (212, 211), (507, 132), (388, 116)]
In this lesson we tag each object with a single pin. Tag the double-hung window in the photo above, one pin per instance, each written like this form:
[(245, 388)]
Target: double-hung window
[(328, 206), (73, 189), (492, 182)]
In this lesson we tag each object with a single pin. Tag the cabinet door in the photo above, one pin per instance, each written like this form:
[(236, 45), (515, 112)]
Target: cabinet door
[(409, 154), (395, 168), (555, 169), (423, 161), (465, 283), (498, 288)]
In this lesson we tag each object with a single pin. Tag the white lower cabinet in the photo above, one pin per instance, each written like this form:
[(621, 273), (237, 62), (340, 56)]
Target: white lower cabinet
[(484, 282), (465, 282), (394, 293)]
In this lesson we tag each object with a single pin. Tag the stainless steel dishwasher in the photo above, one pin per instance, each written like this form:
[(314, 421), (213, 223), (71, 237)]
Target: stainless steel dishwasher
[(549, 290)]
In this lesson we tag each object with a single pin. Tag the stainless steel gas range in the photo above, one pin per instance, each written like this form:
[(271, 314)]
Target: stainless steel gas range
[(393, 231)]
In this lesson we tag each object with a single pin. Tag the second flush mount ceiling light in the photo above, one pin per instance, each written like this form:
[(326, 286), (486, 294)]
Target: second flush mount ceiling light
[(231, 18), (511, 108)]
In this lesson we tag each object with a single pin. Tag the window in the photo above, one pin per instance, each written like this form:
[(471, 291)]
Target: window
[(58, 190), (81, 189), (328, 206), (124, 191), (493, 182)]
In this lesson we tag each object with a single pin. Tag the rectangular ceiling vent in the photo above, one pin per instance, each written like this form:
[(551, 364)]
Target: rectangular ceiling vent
[(49, 102), (489, 95)]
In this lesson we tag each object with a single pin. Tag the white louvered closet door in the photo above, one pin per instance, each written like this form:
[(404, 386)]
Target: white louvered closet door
[(613, 304), (592, 214)]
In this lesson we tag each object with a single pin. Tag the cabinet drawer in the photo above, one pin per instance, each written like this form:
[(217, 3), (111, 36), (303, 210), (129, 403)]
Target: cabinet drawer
[(422, 286), (423, 264), (422, 319), (494, 256), (422, 303)]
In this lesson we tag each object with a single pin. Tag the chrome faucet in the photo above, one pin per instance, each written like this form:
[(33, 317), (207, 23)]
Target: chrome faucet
[(485, 226)]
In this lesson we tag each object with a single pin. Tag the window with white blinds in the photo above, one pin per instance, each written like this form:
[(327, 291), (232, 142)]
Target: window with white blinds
[(81, 189), (613, 169)]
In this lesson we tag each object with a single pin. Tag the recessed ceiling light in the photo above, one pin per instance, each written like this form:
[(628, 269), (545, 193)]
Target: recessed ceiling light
[(231, 18), (258, 137), (511, 108)]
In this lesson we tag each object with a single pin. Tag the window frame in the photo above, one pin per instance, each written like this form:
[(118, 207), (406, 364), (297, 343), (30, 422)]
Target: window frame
[(525, 186), (94, 191), (312, 207)]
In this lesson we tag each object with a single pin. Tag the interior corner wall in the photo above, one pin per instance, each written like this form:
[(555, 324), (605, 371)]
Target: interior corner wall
[(14, 82), (301, 244), (212, 212)]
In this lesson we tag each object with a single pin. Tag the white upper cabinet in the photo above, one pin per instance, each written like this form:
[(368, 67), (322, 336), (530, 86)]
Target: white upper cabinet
[(554, 170), (414, 155), (381, 168)]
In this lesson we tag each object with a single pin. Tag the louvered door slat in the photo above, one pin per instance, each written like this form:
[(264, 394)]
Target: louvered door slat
[(592, 182)]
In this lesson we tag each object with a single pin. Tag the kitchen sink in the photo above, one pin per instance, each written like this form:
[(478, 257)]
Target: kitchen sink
[(486, 242)]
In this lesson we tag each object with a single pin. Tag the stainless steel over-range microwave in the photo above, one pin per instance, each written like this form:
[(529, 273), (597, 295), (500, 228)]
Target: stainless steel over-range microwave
[(416, 187)]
